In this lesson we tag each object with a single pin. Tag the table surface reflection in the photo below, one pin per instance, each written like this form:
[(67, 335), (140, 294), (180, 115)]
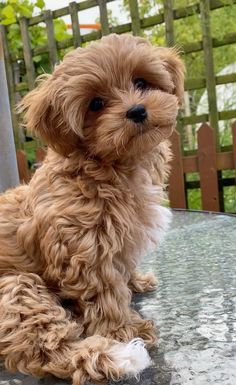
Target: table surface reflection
[(194, 307)]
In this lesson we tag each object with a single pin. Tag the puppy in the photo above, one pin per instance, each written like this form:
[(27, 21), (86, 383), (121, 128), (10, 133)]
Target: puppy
[(79, 229)]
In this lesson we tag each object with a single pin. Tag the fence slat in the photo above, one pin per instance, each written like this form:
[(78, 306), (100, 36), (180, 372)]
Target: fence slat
[(176, 179), (40, 154), (211, 82), (75, 24), (234, 146), (208, 168), (27, 51), (23, 169), (209, 67), (134, 13), (224, 162), (104, 17), (169, 22), (52, 46)]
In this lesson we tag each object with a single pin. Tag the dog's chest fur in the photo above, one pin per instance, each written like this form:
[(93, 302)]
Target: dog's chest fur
[(85, 221)]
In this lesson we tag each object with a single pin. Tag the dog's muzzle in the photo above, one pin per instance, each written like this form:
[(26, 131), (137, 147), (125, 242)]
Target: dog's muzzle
[(137, 113)]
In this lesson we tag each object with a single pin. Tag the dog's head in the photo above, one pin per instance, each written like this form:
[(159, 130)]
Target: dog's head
[(113, 99)]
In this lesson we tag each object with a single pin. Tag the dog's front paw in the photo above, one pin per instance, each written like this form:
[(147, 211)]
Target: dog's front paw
[(144, 329), (99, 359), (123, 334), (138, 327), (92, 362), (147, 331), (141, 283)]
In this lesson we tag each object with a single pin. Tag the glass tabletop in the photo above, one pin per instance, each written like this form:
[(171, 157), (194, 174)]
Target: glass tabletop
[(194, 307)]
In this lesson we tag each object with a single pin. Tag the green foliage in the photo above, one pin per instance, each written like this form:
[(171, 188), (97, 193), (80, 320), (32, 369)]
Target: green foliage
[(30, 149), (11, 11), (229, 192), (194, 199)]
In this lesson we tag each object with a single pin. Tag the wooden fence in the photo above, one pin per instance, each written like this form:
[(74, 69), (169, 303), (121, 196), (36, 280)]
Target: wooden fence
[(207, 163), (167, 16)]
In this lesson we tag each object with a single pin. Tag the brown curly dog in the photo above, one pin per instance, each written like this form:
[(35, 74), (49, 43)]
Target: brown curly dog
[(79, 229)]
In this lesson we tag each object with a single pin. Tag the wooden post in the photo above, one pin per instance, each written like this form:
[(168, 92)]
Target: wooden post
[(75, 24), (169, 22), (134, 13), (23, 166), (234, 146), (208, 168), (211, 82), (104, 17), (176, 180), (17, 98), (8, 166), (209, 68), (52, 46), (29, 64), (40, 154)]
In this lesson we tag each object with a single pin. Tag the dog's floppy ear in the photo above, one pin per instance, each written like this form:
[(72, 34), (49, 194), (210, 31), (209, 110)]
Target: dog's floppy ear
[(42, 109), (175, 66)]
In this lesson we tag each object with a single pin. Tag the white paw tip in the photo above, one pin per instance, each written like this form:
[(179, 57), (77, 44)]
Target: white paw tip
[(132, 357)]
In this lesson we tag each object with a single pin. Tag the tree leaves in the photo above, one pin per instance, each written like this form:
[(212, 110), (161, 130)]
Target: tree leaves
[(60, 30), (8, 15), (24, 11), (11, 10), (40, 4)]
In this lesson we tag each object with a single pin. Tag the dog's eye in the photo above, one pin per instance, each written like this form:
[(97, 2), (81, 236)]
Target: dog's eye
[(140, 84), (96, 104)]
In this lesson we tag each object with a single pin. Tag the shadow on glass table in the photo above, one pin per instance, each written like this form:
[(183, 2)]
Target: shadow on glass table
[(194, 307)]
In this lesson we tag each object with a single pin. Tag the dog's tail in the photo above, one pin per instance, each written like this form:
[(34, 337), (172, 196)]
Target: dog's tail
[(98, 358)]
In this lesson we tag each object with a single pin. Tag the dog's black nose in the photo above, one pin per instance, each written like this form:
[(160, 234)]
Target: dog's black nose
[(137, 113)]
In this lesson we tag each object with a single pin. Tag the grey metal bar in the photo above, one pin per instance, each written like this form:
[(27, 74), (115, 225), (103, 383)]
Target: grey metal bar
[(8, 165), (10, 82)]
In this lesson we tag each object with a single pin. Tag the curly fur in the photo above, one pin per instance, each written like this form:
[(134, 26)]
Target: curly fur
[(78, 230)]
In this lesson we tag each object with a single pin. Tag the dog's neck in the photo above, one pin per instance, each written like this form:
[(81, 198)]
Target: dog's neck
[(78, 164), (93, 171)]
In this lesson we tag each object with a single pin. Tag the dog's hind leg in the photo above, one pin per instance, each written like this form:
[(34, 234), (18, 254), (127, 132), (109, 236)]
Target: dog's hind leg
[(33, 325), (38, 337)]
